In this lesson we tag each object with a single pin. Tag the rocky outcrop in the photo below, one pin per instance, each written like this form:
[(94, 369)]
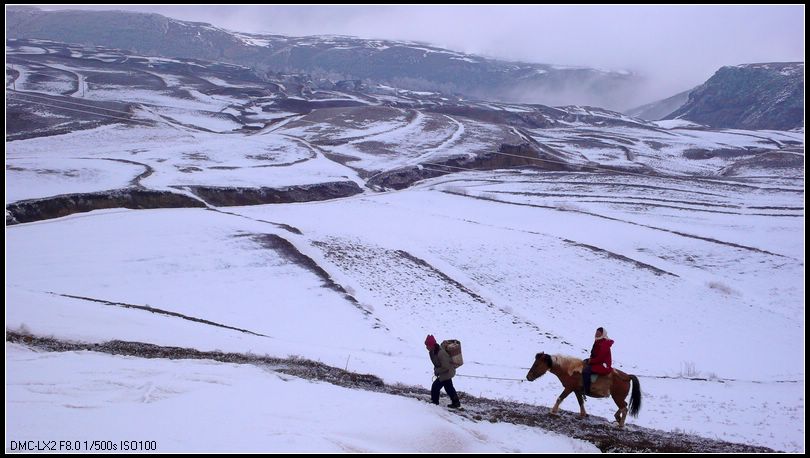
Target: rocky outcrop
[(751, 96), (225, 196), (26, 211)]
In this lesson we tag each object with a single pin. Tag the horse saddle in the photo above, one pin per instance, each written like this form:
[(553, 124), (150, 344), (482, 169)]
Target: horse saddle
[(600, 385)]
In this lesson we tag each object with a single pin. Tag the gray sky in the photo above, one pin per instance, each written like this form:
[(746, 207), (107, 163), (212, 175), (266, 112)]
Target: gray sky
[(676, 47)]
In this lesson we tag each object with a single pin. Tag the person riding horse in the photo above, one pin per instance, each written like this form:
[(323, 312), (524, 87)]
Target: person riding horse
[(600, 361), (567, 369)]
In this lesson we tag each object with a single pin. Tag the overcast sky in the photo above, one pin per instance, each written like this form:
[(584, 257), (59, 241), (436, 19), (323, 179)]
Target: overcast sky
[(676, 47)]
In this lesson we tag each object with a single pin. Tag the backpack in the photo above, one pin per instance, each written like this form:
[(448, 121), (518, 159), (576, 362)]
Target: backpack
[(453, 348)]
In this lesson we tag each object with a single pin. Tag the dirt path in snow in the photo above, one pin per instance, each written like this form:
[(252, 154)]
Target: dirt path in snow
[(136, 182), (596, 430)]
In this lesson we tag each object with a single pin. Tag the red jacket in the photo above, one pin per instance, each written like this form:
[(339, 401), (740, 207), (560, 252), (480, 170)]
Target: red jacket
[(600, 359)]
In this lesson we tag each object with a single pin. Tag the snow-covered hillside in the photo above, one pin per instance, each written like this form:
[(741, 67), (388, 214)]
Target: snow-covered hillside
[(686, 243), (232, 408), (335, 61)]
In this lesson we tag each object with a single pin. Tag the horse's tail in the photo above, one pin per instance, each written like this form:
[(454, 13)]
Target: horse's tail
[(635, 397)]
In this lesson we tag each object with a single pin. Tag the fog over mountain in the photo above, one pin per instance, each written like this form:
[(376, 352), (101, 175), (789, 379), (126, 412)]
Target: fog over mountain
[(669, 48)]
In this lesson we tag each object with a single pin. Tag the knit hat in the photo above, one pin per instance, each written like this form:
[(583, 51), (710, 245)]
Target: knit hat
[(430, 341)]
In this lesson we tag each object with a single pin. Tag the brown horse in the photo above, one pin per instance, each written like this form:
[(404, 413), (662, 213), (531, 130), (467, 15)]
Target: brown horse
[(569, 370)]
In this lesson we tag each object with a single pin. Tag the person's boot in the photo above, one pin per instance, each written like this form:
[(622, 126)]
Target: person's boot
[(455, 404)]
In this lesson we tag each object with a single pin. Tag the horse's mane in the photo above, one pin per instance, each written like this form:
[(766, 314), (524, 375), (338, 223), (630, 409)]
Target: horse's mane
[(569, 364)]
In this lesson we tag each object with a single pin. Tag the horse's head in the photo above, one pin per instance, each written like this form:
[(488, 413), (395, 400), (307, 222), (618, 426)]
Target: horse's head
[(542, 363)]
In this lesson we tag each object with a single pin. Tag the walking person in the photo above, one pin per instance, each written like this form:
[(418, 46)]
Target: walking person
[(444, 372)]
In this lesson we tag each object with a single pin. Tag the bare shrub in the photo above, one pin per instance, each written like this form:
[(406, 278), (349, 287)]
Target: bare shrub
[(457, 190), (569, 207), (723, 288), (688, 370)]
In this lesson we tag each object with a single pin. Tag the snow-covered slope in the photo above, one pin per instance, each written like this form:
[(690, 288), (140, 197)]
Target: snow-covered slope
[(232, 408), (685, 242), (507, 280), (750, 96)]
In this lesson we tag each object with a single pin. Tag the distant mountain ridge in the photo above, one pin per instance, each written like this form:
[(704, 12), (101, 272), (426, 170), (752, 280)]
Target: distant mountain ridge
[(749, 96), (400, 63), (660, 108)]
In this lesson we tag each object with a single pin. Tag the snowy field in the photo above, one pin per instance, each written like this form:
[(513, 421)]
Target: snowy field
[(44, 177), (507, 280), (174, 157), (380, 138)]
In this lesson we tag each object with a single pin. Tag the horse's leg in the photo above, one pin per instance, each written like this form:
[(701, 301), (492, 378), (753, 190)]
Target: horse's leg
[(581, 402), (563, 395), (620, 414)]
